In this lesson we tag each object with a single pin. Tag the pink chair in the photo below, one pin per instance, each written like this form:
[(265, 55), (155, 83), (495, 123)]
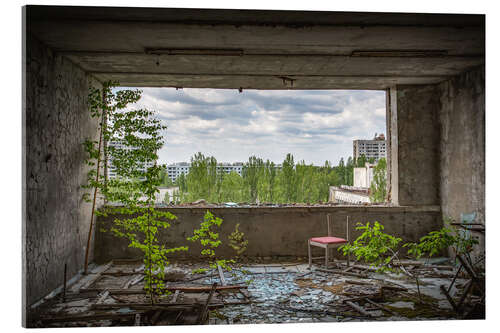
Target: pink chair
[(328, 242)]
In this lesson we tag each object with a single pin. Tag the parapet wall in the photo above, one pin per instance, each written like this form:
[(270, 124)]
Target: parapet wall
[(274, 231)]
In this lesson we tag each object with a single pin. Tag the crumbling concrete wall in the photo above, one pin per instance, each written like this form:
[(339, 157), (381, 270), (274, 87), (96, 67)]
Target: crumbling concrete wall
[(274, 231), (418, 144), (462, 145), (56, 219)]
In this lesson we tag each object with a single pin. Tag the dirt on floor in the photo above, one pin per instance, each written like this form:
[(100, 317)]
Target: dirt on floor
[(258, 291)]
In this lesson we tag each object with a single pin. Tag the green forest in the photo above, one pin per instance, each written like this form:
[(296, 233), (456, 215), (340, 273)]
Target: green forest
[(263, 182)]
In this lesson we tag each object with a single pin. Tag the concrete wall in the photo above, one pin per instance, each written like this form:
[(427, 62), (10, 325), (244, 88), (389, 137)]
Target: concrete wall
[(418, 144), (275, 231), (462, 145), (363, 177), (56, 120), (462, 161)]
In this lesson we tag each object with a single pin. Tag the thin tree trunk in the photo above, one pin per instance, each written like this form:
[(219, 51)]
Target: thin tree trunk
[(95, 189)]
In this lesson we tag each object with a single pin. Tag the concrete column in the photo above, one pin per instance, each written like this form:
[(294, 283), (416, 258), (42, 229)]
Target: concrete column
[(416, 151), (392, 145)]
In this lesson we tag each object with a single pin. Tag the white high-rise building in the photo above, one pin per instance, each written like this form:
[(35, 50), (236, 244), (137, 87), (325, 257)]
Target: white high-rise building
[(176, 169), (375, 148)]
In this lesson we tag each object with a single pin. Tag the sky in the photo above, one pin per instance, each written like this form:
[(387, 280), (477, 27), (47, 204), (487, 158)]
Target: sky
[(313, 125)]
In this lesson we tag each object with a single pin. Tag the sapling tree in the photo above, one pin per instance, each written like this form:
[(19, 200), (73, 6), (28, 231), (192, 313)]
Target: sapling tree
[(379, 249), (237, 241), (436, 241), (374, 246), (138, 134), (208, 237)]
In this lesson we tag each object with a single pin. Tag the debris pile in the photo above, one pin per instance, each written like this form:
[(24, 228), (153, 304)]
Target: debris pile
[(271, 292)]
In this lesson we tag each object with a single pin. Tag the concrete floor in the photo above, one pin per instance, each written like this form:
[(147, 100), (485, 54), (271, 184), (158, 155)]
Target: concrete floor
[(272, 292)]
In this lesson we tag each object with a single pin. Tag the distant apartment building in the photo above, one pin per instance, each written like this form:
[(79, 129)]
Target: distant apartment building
[(375, 148), (176, 169), (111, 168)]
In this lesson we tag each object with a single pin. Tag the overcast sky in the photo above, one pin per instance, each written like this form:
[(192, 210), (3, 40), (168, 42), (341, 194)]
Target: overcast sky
[(314, 126)]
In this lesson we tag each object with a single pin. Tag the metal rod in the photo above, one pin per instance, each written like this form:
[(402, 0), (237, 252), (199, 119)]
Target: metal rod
[(64, 283)]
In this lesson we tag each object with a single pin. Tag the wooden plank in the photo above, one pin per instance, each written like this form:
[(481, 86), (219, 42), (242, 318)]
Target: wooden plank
[(91, 281), (203, 313), (118, 273), (137, 321), (176, 295), (103, 268), (381, 307), (186, 289), (245, 293), (102, 297), (448, 297), (361, 283), (86, 318), (157, 306), (394, 288), (132, 281), (221, 275), (365, 268), (348, 269), (359, 309), (336, 271), (465, 293)]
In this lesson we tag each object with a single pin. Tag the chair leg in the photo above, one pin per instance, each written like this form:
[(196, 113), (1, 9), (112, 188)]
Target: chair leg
[(326, 257), (309, 252)]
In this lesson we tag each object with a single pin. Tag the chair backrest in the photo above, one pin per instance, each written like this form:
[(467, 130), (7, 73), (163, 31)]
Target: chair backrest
[(465, 219), (328, 217), (328, 220)]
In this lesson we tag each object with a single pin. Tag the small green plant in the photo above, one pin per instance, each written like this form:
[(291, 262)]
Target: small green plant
[(237, 241), (209, 240), (379, 249), (436, 241), (374, 246)]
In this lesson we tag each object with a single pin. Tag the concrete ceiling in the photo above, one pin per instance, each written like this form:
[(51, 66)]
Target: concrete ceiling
[(261, 49)]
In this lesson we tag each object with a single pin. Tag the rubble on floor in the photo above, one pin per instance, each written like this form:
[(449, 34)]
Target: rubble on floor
[(266, 292)]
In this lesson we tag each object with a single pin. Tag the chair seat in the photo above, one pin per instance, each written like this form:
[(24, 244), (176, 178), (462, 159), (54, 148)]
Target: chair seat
[(328, 240)]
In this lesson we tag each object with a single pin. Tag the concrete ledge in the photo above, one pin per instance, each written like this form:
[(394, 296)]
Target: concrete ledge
[(280, 231)]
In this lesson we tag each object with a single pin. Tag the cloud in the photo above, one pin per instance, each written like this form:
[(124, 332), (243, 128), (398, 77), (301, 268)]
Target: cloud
[(314, 126)]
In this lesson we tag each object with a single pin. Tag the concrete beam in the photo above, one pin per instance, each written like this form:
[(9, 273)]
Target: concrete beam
[(273, 64), (114, 44), (262, 81), (340, 40)]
